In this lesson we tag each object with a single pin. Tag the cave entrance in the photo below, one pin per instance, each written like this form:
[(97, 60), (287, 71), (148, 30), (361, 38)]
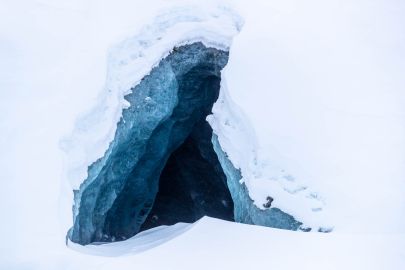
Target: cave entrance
[(161, 167), (192, 184)]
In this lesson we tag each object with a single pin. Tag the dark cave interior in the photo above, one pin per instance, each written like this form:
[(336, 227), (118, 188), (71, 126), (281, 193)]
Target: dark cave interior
[(192, 184)]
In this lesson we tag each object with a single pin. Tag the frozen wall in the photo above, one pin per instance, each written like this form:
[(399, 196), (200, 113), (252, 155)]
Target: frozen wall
[(116, 198)]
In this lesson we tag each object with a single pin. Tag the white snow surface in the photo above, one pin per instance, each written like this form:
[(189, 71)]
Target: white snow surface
[(323, 89), (311, 110), (217, 244)]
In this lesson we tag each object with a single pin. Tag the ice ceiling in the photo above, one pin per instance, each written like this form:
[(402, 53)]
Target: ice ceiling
[(164, 165)]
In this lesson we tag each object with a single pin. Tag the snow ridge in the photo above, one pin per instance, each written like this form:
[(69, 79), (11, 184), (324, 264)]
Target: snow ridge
[(261, 177)]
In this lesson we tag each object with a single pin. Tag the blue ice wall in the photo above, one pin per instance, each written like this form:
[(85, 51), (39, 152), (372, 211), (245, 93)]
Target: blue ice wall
[(164, 164), (115, 199), (244, 209)]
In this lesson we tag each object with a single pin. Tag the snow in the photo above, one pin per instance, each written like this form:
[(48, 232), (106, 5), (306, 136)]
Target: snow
[(238, 139), (143, 241), (315, 88), (326, 100), (217, 244)]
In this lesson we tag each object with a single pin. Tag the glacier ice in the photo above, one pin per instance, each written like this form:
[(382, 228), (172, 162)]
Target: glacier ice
[(245, 211), (119, 192), (165, 164)]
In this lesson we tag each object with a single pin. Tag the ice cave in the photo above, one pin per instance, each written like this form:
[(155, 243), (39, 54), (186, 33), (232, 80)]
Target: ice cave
[(165, 164)]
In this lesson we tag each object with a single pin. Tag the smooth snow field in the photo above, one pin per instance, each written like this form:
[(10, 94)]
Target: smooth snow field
[(217, 244), (310, 113)]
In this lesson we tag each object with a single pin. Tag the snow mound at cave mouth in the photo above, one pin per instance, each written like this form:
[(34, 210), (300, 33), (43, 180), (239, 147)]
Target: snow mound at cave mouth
[(141, 242)]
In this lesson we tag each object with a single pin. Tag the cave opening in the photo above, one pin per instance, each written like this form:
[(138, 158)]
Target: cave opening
[(161, 167), (192, 184)]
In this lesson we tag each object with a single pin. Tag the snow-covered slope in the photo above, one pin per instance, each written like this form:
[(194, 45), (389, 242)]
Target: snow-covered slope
[(313, 115), (217, 244), (326, 100)]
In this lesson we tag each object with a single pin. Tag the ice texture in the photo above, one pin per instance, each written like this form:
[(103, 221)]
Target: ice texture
[(165, 165), (115, 199), (245, 211)]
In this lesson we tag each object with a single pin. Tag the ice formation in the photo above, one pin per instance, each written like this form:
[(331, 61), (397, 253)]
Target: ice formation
[(310, 120), (149, 128), (161, 167), (166, 107), (245, 210)]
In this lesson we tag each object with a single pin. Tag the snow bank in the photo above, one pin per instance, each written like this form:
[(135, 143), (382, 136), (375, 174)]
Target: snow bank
[(323, 89), (218, 244), (262, 178)]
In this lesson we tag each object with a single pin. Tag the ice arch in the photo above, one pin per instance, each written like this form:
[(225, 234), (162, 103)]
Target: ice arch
[(168, 109), (164, 164)]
